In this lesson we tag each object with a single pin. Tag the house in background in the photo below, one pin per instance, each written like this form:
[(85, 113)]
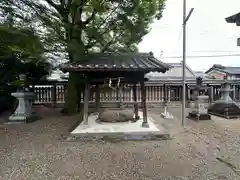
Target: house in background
[(203, 75), (58, 75), (218, 72), (174, 73)]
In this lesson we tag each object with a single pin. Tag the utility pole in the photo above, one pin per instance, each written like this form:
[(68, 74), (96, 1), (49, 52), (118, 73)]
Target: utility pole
[(185, 19)]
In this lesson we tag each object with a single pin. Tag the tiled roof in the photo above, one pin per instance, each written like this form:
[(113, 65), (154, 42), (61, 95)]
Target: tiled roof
[(180, 65), (232, 70), (174, 72), (233, 19), (202, 74), (225, 69), (144, 62)]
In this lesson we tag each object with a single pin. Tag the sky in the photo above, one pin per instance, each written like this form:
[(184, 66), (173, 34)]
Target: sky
[(207, 34)]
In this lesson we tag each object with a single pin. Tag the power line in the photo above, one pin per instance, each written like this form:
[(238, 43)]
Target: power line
[(218, 51), (204, 56)]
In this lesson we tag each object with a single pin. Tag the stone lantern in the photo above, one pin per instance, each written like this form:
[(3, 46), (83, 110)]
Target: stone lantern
[(199, 110), (24, 112), (225, 107)]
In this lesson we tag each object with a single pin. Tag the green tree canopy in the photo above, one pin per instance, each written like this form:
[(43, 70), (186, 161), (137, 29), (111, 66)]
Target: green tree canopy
[(21, 42), (80, 26), (21, 52)]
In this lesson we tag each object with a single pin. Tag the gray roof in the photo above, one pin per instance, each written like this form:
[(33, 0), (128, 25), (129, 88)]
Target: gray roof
[(202, 74), (173, 73), (179, 65), (225, 69), (232, 70), (130, 62), (233, 19)]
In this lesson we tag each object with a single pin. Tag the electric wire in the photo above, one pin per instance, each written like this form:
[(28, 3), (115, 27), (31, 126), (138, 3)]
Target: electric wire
[(202, 56)]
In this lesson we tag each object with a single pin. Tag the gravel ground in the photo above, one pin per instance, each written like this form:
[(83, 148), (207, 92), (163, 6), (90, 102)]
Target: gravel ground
[(36, 151)]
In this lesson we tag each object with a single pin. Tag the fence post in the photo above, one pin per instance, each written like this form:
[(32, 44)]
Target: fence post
[(35, 96), (54, 95)]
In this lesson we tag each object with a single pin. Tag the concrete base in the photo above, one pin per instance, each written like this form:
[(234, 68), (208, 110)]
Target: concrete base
[(24, 113), (118, 131), (145, 125), (196, 116), (23, 119)]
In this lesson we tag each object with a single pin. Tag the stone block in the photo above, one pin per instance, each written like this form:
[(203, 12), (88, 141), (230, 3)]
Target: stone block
[(116, 116)]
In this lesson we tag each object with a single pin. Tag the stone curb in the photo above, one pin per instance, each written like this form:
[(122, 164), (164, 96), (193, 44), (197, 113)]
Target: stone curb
[(116, 137)]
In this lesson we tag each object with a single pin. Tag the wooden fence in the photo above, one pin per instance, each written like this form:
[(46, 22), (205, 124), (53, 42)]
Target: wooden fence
[(55, 93)]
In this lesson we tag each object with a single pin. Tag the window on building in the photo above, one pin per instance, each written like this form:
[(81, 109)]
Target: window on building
[(237, 76)]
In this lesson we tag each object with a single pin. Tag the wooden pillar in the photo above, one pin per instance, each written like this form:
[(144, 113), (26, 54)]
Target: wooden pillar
[(211, 94), (164, 93), (169, 93), (86, 102), (144, 107), (234, 92), (97, 98), (187, 93), (238, 93), (180, 89), (135, 101), (54, 95), (120, 94), (35, 94)]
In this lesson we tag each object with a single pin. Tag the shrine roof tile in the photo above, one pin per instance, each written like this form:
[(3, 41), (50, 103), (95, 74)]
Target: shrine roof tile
[(144, 62)]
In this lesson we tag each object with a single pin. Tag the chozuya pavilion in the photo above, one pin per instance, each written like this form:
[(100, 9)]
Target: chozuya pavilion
[(98, 70)]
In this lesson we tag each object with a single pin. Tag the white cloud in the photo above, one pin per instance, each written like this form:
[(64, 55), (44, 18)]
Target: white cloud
[(207, 30)]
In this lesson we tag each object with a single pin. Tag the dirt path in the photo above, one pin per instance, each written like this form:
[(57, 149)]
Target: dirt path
[(35, 151)]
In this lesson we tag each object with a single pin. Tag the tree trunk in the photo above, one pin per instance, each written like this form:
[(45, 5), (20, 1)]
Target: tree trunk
[(71, 100), (74, 88)]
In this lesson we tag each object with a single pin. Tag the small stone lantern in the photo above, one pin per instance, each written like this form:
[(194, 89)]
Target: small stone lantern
[(24, 112), (199, 110)]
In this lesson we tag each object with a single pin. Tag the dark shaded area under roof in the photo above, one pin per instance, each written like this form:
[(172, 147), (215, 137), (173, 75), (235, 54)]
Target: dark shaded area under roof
[(225, 69), (234, 19), (126, 62)]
